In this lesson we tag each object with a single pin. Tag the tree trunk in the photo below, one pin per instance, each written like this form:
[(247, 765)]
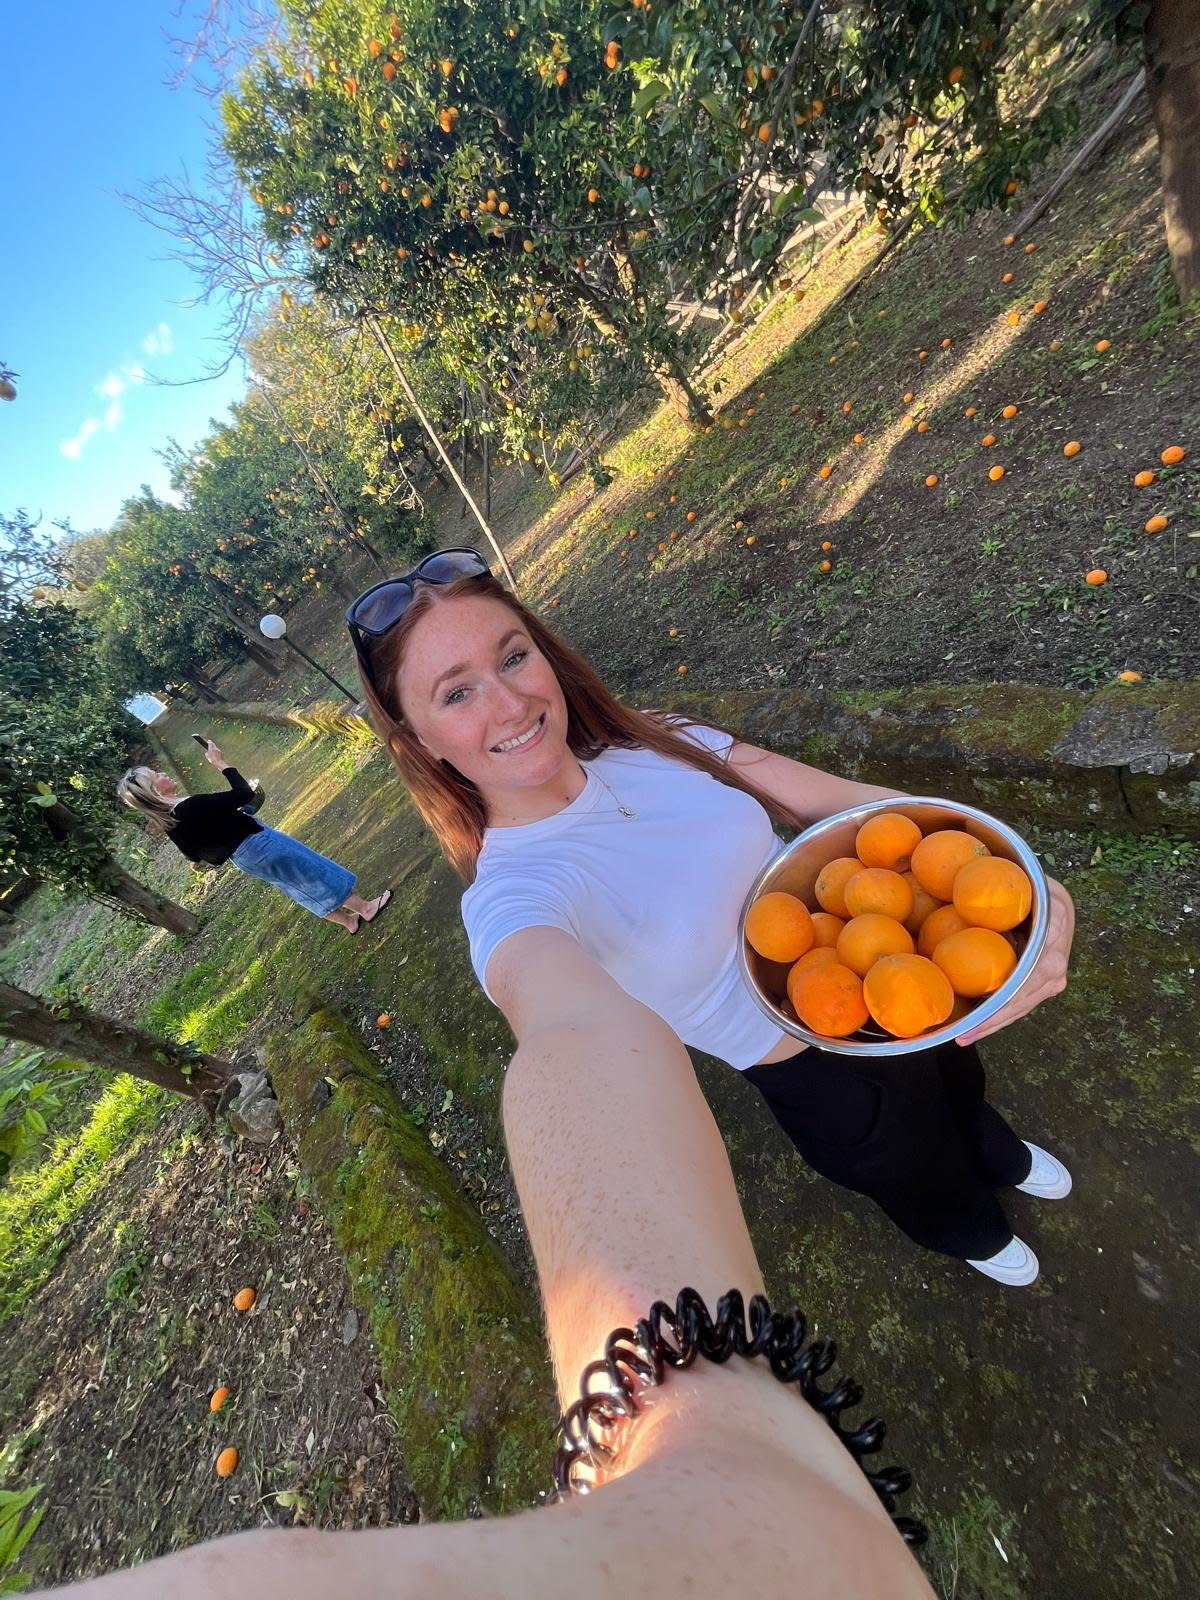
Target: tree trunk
[(462, 454), (108, 876), (116, 884), (263, 658), (434, 437), (1173, 79), (486, 445), (72, 1030), (205, 689), (667, 370)]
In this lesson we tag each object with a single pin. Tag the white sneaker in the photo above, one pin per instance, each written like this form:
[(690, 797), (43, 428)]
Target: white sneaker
[(1048, 1178), (1015, 1265)]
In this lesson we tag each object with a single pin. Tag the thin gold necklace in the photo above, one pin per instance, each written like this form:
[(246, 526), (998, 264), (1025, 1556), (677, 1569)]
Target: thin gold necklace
[(626, 811)]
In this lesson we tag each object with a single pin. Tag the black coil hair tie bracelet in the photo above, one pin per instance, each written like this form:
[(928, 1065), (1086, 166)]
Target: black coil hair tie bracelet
[(635, 1360)]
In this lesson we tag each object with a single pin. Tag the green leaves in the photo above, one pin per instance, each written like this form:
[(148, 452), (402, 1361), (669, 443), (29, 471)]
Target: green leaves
[(648, 97)]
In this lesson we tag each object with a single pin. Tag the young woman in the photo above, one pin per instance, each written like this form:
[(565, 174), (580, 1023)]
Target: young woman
[(215, 828), (623, 843)]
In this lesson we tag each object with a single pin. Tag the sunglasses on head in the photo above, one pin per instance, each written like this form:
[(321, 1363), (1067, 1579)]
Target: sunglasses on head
[(379, 608)]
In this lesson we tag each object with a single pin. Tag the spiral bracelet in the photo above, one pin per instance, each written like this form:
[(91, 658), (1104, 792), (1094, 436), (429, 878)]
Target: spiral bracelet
[(634, 1361)]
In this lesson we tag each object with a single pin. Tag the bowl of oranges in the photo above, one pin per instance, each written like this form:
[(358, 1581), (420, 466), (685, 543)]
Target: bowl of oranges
[(893, 927)]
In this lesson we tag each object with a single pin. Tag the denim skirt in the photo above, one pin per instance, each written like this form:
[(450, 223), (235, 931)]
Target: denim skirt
[(311, 880)]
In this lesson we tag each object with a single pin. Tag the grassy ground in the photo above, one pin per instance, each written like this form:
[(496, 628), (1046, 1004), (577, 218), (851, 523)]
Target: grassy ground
[(1048, 1428)]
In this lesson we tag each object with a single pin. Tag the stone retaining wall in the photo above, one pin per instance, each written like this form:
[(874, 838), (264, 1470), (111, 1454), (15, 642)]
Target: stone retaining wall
[(1126, 757)]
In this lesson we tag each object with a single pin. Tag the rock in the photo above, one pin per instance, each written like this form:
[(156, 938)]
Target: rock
[(254, 1112), (350, 1326)]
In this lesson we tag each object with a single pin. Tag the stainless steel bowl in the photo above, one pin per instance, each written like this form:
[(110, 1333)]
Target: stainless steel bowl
[(795, 870)]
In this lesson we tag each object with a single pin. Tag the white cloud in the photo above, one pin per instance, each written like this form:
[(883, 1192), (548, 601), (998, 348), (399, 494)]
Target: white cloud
[(159, 341), (73, 448)]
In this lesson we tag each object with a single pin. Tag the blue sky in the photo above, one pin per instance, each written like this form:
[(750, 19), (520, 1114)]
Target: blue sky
[(91, 311)]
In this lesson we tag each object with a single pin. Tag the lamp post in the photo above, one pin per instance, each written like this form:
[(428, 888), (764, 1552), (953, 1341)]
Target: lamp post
[(274, 627)]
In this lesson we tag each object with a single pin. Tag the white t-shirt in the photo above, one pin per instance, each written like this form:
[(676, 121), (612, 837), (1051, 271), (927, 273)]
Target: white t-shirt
[(655, 898)]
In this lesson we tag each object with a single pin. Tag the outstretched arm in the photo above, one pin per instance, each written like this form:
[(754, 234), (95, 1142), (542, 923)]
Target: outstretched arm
[(730, 1482)]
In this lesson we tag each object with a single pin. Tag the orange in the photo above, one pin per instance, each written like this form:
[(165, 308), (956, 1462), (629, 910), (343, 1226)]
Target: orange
[(226, 1463), (939, 925), (218, 1397), (244, 1299), (931, 482), (1029, 249), (1156, 524), (946, 344), (826, 544), (881, 891), (826, 928), (1039, 306), (1172, 455), (1129, 677), (992, 893), (819, 955), (922, 427), (828, 998), (859, 437), (830, 887), (1010, 238), (988, 440), (976, 961), (1096, 577), (907, 994), (1014, 317), (909, 397), (995, 474), (384, 1019), (1008, 277), (924, 904), (970, 411), (847, 408), (825, 472), (779, 927), (885, 839), (1072, 447), (692, 515), (1010, 412), (866, 938), (939, 856), (1144, 479), (825, 566), (1103, 344)]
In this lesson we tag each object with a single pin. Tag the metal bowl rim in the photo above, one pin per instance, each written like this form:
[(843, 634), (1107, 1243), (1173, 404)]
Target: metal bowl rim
[(986, 1009)]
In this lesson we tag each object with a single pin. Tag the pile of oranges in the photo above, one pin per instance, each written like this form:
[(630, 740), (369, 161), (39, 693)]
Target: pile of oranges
[(911, 931)]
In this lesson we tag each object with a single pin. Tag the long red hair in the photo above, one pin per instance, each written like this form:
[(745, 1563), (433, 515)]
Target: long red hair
[(451, 805)]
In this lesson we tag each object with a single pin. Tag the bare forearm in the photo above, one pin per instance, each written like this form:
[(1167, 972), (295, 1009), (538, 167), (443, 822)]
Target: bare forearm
[(712, 1507)]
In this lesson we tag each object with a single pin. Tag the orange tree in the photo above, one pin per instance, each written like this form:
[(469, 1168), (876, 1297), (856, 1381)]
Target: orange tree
[(468, 161), (444, 166)]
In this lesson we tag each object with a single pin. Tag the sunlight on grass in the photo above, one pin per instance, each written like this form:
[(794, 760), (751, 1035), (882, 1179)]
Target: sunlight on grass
[(995, 344), (37, 1208)]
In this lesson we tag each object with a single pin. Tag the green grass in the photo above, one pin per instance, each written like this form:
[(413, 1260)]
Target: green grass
[(38, 1209)]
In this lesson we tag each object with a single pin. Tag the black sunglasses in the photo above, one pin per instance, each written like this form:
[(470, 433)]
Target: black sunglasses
[(379, 608)]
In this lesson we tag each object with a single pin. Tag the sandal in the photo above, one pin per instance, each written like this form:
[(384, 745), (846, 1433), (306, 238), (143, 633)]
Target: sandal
[(379, 905)]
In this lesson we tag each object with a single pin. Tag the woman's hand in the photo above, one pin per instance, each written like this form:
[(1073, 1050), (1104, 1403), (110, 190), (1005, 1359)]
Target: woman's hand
[(1049, 975), (213, 755)]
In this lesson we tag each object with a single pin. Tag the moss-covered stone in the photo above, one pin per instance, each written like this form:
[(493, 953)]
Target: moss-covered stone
[(1028, 752), (461, 1348)]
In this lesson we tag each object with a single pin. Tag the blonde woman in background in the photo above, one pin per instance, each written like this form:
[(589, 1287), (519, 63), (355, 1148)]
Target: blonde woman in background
[(215, 828)]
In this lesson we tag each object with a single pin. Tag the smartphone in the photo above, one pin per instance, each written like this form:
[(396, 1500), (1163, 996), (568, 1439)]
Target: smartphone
[(200, 739)]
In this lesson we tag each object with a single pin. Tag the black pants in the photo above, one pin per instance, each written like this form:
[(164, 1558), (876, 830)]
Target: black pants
[(913, 1133)]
